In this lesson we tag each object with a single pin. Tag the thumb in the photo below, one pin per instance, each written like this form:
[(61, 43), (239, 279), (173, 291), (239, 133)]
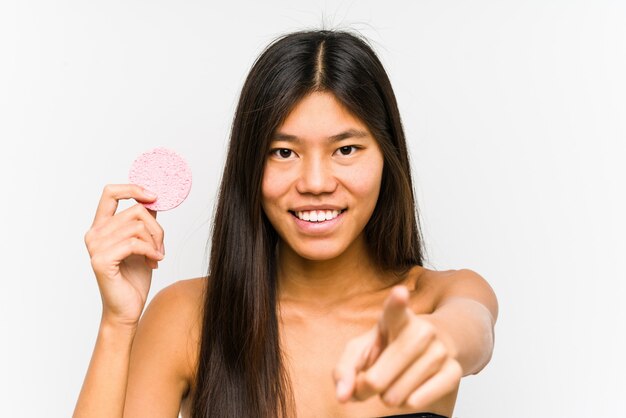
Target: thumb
[(354, 359), (395, 313)]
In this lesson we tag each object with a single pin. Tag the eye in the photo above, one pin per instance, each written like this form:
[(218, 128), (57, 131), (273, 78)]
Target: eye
[(282, 153), (347, 150)]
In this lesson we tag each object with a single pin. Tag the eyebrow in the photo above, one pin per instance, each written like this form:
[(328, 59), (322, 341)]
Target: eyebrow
[(350, 133)]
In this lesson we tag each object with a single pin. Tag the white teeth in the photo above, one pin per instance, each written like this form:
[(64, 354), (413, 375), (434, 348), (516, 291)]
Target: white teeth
[(318, 215)]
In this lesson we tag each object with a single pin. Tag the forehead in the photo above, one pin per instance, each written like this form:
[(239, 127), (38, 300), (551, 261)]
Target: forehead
[(319, 114)]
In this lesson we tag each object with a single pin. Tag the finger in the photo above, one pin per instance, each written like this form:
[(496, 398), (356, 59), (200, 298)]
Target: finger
[(439, 385), (397, 358), (428, 364), (113, 193), (124, 231), (353, 359), (121, 251), (395, 312), (392, 320), (160, 234), (138, 229), (148, 217), (128, 216)]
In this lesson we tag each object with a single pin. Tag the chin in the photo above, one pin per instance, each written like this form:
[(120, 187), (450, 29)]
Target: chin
[(321, 252)]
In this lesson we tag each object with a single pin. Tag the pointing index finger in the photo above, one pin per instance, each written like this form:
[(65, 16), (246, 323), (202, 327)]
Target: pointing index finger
[(395, 313), (394, 318), (113, 193)]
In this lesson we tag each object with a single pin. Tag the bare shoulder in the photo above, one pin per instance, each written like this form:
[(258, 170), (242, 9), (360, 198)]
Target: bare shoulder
[(178, 306), (192, 291), (441, 286), (163, 352)]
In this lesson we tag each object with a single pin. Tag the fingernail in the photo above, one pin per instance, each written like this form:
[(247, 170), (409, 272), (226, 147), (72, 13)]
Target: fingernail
[(149, 194), (162, 249)]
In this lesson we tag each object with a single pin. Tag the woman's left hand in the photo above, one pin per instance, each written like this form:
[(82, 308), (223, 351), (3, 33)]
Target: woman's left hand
[(402, 359)]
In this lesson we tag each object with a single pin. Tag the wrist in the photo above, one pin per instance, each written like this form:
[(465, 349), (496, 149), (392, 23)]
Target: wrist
[(108, 326)]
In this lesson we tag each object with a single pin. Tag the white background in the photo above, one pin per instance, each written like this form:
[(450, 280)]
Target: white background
[(515, 113)]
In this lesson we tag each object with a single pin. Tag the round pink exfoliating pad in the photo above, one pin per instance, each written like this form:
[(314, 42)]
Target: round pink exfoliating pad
[(165, 173)]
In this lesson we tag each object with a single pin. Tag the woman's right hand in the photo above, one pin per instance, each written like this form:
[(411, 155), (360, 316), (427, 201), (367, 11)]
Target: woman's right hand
[(124, 248)]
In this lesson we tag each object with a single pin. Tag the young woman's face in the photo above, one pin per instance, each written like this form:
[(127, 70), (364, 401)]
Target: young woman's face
[(322, 178)]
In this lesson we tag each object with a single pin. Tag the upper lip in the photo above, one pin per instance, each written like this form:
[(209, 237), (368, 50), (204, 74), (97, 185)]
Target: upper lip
[(317, 207)]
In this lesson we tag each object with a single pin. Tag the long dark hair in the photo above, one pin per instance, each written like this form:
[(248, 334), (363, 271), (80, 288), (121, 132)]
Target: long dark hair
[(240, 370)]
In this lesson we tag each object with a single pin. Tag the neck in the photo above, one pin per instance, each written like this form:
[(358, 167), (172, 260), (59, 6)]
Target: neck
[(326, 282)]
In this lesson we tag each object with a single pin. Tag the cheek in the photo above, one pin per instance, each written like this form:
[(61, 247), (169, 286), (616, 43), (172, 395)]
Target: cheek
[(365, 179), (273, 186)]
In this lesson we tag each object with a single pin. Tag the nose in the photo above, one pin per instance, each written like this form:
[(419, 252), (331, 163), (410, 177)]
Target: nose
[(316, 177)]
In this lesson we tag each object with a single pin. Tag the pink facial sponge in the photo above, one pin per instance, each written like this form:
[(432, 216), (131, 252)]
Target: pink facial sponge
[(165, 173)]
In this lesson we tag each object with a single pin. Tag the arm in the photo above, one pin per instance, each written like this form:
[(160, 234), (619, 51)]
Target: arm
[(464, 317), (104, 388), (415, 359), (124, 247), (140, 372)]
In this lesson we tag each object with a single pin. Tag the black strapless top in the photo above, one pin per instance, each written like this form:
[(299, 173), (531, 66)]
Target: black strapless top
[(415, 415)]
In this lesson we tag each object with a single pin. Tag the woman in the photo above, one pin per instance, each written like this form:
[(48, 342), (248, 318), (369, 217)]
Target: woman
[(316, 303)]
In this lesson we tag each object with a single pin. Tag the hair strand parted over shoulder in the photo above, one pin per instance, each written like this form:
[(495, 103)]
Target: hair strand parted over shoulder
[(240, 370)]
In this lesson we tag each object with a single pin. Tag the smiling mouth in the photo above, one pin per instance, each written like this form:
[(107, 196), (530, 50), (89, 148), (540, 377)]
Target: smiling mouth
[(317, 215)]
